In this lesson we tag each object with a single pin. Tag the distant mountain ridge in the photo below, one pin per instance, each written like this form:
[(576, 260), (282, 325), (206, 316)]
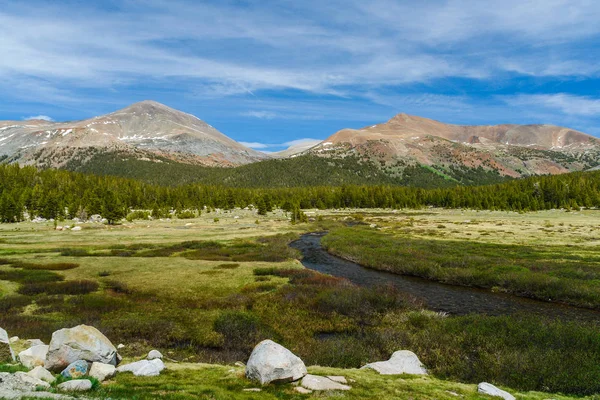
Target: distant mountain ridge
[(146, 126), (512, 150), (150, 138)]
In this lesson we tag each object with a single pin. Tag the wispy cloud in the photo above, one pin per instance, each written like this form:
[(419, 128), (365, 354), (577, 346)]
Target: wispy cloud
[(562, 102), (260, 114), (305, 142), (42, 117)]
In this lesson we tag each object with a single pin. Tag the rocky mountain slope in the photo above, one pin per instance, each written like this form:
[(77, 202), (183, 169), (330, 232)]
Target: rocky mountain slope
[(143, 129), (511, 150)]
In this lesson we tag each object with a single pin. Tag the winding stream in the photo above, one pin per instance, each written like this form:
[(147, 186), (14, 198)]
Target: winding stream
[(456, 300)]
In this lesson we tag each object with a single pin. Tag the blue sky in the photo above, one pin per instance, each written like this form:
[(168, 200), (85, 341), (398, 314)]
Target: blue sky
[(271, 72)]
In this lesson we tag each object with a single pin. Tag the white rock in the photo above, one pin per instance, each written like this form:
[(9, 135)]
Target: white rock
[(154, 354), (30, 380), (13, 339), (401, 362), (314, 382), (302, 390), (34, 356), (143, 368), (76, 229), (271, 362), (338, 379), (33, 342), (76, 385), (120, 346), (102, 371), (6, 351), (491, 390), (15, 386), (79, 343), (42, 373)]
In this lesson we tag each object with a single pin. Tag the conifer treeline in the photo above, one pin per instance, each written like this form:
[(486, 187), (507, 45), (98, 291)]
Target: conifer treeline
[(57, 193)]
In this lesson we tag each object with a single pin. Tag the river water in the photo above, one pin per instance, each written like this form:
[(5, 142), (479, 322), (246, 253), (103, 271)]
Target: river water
[(457, 300)]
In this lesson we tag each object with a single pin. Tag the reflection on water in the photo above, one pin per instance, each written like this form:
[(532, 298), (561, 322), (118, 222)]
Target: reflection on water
[(436, 296)]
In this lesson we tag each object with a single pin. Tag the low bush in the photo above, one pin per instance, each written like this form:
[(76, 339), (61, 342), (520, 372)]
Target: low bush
[(29, 276), (46, 267), (139, 214), (241, 330), (117, 287), (228, 266), (67, 287), (74, 252)]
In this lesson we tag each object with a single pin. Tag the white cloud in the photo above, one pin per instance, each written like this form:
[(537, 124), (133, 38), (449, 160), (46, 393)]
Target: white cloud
[(565, 103), (42, 117), (304, 142), (256, 145), (260, 114)]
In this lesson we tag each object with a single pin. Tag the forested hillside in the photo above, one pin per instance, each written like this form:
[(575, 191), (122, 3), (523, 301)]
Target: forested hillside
[(305, 170), (57, 194)]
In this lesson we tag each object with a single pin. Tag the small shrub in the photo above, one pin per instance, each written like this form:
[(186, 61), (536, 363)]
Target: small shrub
[(103, 273), (117, 287), (68, 287), (74, 252), (186, 214), (139, 214), (47, 267), (228, 266)]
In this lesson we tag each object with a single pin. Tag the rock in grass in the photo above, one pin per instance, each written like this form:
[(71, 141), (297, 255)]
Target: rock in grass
[(143, 368), (34, 342), (79, 343), (21, 385), (401, 362), (6, 352), (154, 354), (77, 385), (302, 390), (34, 356), (314, 382), (102, 371), (338, 379), (271, 362), (491, 390), (76, 370), (43, 374)]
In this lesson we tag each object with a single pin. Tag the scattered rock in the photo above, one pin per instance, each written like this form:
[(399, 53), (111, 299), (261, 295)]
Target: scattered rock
[(314, 382), (102, 371), (6, 352), (154, 354), (76, 228), (271, 362), (239, 364), (42, 374), (401, 362), (30, 380), (253, 390), (34, 342), (338, 379), (302, 390), (77, 385), (13, 339), (144, 367), (76, 369), (491, 390), (34, 356), (79, 343), (120, 346), (21, 385)]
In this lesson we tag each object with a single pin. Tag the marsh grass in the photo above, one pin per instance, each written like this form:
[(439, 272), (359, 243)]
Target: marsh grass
[(542, 272)]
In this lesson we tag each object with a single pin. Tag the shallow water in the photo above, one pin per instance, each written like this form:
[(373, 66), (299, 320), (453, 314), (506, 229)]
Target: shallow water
[(452, 299)]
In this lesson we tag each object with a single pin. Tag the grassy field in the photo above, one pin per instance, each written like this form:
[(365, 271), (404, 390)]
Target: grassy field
[(207, 290)]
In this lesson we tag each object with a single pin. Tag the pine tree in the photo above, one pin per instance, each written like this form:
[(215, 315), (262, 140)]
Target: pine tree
[(112, 208)]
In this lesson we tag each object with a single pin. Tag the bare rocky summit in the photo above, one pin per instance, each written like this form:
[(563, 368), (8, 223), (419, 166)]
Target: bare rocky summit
[(144, 127), (511, 150)]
